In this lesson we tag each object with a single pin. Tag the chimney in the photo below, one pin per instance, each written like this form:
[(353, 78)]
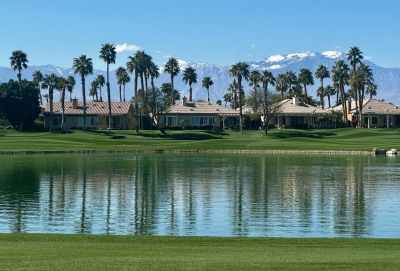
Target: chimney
[(295, 101), (75, 103), (184, 101)]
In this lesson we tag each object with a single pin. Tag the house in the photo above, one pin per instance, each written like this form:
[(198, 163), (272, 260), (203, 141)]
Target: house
[(96, 115), (291, 113), (200, 114)]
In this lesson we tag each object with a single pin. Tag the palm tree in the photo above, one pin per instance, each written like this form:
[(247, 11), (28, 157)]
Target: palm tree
[(328, 92), (64, 84), (266, 78), (120, 73), (122, 79), (93, 90), (240, 70), (321, 73), (18, 62), (282, 84), (371, 89), (153, 73), (83, 66), (133, 67), (50, 82), (354, 56), (305, 78), (101, 81), (291, 80), (207, 83), (37, 78), (340, 76), (321, 95), (189, 77), (172, 68), (46, 96), (108, 54), (254, 81)]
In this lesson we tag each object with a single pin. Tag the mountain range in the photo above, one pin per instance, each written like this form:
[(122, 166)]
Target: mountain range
[(387, 79)]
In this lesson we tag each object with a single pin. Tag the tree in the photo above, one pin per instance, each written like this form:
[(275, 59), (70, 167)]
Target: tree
[(62, 85), (83, 66), (101, 81), (108, 54), (207, 83), (340, 77), (321, 95), (240, 70), (153, 73), (321, 73), (37, 79), (50, 82), (267, 78), (282, 84), (18, 62), (166, 89), (19, 103), (120, 73), (189, 77), (254, 81), (94, 85), (172, 68), (328, 92), (291, 80), (305, 78)]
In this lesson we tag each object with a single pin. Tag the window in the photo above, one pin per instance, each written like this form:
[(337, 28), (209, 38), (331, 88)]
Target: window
[(171, 121), (56, 121), (203, 121), (94, 121), (374, 120), (195, 121)]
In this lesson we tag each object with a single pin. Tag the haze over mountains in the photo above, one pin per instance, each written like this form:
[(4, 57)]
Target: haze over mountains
[(387, 79)]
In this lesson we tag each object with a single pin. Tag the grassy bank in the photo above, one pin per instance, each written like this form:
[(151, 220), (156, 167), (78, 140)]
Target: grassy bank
[(80, 252), (338, 139)]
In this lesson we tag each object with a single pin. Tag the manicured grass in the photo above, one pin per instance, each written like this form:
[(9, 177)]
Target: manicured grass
[(83, 252), (337, 139)]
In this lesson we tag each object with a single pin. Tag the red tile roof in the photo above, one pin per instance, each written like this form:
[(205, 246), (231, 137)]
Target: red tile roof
[(92, 108)]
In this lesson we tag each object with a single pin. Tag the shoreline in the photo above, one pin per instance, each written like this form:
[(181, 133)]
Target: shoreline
[(293, 152)]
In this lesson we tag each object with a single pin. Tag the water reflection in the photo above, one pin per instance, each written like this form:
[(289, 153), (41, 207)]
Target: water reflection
[(201, 195)]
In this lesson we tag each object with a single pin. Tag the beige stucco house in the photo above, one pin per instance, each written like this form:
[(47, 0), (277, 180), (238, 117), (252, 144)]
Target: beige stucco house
[(199, 114), (96, 115)]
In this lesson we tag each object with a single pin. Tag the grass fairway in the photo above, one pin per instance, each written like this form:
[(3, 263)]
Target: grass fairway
[(337, 139), (83, 252)]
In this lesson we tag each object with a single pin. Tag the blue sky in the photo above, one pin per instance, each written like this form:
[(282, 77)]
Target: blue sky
[(212, 31)]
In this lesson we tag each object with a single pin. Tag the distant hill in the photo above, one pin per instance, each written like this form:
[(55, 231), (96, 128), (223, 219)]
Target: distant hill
[(387, 79)]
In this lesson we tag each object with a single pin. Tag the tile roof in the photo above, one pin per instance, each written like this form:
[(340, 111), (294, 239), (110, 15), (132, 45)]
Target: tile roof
[(287, 107), (92, 108), (374, 106), (201, 108)]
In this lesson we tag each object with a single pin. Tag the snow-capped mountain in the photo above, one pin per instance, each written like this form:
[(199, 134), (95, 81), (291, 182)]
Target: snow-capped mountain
[(387, 79)]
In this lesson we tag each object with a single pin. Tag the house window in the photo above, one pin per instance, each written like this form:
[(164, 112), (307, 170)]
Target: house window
[(56, 121), (374, 120), (94, 121), (195, 121), (171, 121)]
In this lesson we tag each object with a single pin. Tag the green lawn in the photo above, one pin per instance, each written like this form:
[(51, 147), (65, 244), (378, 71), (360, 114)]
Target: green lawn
[(337, 139), (83, 252)]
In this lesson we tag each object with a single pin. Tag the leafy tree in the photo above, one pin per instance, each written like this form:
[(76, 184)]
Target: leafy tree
[(50, 82), (305, 78), (172, 68), (189, 77), (207, 83), (108, 54), (18, 62), (83, 66), (37, 79), (19, 103), (321, 73), (240, 70)]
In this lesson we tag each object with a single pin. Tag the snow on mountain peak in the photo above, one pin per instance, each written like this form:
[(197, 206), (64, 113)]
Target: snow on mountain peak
[(300, 55), (275, 58), (332, 54)]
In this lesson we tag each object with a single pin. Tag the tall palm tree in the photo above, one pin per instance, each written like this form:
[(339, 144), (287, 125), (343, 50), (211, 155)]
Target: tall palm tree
[(101, 81), (37, 78), (50, 82), (153, 73), (305, 78), (340, 77), (321, 73), (133, 67), (172, 68), (207, 83), (282, 84), (371, 89), (355, 56), (240, 70), (254, 81), (120, 73), (18, 62), (108, 54), (83, 66), (189, 77), (64, 84), (329, 91), (291, 80), (94, 85), (267, 78), (321, 95)]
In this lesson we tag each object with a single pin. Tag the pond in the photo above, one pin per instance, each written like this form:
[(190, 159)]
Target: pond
[(202, 195)]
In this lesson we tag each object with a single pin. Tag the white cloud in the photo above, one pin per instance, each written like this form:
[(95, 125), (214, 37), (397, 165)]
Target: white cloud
[(367, 57), (125, 47)]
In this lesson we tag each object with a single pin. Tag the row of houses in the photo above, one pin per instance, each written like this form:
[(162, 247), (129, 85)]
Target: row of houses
[(288, 113)]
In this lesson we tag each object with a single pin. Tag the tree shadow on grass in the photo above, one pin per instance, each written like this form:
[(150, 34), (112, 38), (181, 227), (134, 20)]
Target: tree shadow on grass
[(304, 134), (184, 136)]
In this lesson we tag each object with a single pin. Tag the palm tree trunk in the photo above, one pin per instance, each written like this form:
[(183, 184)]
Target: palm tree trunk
[(208, 94), (124, 92), (136, 100), (305, 90), (101, 97), (329, 100), (266, 108), (145, 81), (19, 77), (84, 100), (62, 108), (40, 95), (120, 92), (109, 99), (172, 90), (240, 104), (70, 96), (51, 108), (190, 92)]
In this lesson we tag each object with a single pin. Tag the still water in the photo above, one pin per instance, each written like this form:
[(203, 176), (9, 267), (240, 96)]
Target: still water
[(215, 195)]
